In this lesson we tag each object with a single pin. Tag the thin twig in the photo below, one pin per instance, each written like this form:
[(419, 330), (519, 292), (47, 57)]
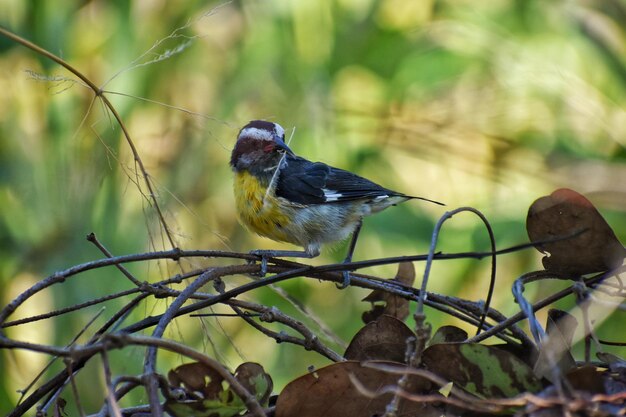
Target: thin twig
[(150, 362), (74, 389), (111, 400), (59, 379), (248, 399), (543, 303), (49, 364), (98, 93), (91, 237), (176, 254), (271, 314)]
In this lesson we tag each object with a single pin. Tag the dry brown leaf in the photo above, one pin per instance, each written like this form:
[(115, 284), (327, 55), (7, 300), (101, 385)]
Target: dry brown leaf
[(395, 306), (329, 392), (383, 339), (563, 214)]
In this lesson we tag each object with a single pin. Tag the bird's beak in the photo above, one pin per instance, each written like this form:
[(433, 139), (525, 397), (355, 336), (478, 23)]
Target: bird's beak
[(280, 144)]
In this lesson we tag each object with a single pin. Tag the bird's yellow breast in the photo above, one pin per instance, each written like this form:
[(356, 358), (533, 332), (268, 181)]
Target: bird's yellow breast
[(259, 210)]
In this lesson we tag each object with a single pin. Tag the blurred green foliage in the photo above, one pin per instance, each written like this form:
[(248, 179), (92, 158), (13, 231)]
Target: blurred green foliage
[(483, 104)]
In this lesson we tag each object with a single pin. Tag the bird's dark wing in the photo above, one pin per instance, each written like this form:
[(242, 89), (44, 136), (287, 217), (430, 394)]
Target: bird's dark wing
[(306, 182)]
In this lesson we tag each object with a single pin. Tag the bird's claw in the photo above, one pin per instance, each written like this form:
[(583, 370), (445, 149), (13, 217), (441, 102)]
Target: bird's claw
[(346, 280), (263, 271), (263, 257)]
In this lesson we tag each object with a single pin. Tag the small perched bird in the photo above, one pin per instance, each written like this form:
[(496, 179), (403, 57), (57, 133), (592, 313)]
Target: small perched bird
[(287, 198)]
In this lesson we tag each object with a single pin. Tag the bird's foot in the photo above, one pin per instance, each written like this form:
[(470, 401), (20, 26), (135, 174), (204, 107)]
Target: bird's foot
[(346, 280), (263, 255)]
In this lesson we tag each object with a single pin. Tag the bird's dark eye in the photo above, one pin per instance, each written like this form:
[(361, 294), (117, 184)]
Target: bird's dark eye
[(268, 148)]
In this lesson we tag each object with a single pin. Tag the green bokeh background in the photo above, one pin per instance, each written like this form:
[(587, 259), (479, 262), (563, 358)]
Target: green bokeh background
[(482, 104)]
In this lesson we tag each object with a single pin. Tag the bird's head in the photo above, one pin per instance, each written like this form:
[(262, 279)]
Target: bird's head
[(260, 145)]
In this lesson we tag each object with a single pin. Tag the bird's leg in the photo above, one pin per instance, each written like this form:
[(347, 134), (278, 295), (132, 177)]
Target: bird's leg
[(310, 252), (348, 259)]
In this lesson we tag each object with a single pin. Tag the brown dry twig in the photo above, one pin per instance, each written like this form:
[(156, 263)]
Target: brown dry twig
[(99, 93)]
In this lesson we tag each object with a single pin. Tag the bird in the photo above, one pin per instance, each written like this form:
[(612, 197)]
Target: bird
[(287, 198)]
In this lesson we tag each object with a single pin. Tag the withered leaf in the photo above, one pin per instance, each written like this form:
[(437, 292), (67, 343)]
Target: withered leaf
[(485, 371), (383, 339), (597, 381), (196, 377), (373, 314), (253, 377), (555, 349), (563, 214), (329, 392), (395, 306), (207, 395), (587, 378), (448, 334)]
